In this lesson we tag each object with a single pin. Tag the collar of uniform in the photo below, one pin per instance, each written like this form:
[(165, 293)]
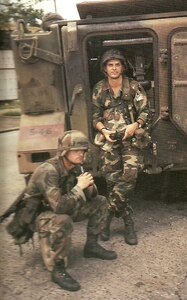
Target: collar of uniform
[(62, 168), (106, 86)]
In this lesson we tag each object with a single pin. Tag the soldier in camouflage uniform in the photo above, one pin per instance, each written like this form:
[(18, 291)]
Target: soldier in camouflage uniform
[(67, 196), (120, 112)]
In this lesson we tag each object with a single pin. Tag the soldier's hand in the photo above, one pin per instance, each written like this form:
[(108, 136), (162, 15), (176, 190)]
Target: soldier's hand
[(130, 130), (85, 180), (107, 133)]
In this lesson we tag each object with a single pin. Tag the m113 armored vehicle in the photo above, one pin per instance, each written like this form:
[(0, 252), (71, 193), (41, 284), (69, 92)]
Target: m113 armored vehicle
[(57, 70)]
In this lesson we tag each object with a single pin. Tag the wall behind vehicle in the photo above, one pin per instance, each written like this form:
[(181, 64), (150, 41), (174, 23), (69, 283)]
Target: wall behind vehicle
[(8, 78)]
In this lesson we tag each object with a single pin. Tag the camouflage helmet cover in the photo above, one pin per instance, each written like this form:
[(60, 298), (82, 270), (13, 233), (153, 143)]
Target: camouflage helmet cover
[(109, 55), (72, 140)]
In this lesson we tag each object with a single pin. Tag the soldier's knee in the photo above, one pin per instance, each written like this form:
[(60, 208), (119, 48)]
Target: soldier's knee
[(102, 199), (102, 203), (62, 226)]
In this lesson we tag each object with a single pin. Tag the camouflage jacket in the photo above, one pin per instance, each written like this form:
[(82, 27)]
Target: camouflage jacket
[(117, 112), (109, 110), (56, 187)]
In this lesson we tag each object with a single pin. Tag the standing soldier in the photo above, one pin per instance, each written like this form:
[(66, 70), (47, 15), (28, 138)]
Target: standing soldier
[(66, 196), (120, 111)]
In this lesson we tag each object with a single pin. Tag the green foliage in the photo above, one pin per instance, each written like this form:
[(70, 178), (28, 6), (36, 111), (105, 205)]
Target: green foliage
[(10, 105), (12, 113), (12, 11)]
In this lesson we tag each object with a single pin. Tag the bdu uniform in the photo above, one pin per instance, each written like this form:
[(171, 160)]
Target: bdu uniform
[(121, 160)]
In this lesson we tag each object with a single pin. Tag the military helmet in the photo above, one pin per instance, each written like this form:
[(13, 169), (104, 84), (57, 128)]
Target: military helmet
[(49, 19), (111, 54), (72, 140)]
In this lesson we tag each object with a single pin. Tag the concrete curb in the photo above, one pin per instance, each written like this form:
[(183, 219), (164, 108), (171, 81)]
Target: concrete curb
[(9, 123), (9, 129)]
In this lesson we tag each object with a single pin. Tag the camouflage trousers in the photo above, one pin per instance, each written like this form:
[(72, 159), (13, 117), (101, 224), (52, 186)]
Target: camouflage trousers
[(55, 230), (121, 166)]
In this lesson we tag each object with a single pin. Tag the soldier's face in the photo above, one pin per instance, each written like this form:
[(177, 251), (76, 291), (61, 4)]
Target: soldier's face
[(76, 156), (114, 68)]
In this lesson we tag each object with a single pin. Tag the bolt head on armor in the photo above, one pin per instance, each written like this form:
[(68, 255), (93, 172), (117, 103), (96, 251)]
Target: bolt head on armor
[(109, 55), (72, 140)]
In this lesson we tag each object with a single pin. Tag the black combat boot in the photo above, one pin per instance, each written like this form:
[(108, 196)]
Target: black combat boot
[(130, 234), (105, 234), (63, 279), (93, 249)]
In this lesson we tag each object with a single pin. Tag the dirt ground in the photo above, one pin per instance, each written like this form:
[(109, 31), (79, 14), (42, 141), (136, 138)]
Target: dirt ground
[(155, 269)]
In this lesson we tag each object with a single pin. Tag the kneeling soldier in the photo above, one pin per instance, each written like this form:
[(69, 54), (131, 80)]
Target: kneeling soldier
[(66, 198)]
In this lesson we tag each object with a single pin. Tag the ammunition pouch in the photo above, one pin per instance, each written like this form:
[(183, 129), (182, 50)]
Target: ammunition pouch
[(22, 226), (141, 139)]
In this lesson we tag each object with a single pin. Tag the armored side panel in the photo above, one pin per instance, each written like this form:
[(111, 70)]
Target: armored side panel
[(150, 44), (39, 66), (178, 98), (38, 59), (38, 139)]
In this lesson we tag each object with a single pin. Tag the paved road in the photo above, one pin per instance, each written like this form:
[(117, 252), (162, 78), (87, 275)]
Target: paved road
[(155, 269)]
